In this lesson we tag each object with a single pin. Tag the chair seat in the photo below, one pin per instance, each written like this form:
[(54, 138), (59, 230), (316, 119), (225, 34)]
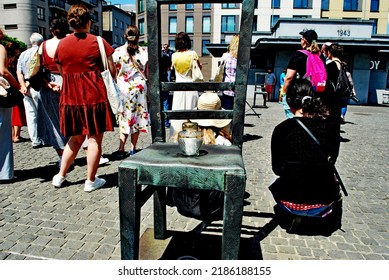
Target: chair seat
[(162, 164)]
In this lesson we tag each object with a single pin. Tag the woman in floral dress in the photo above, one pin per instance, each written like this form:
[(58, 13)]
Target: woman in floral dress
[(131, 64)]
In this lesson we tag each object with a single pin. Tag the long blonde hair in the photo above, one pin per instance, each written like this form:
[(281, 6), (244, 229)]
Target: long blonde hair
[(313, 47), (234, 44)]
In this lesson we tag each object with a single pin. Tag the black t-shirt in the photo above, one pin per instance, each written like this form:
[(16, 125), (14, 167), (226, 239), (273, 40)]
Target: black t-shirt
[(298, 62), (305, 175)]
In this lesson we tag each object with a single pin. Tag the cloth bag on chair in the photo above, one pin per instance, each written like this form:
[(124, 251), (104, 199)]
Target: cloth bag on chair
[(114, 94)]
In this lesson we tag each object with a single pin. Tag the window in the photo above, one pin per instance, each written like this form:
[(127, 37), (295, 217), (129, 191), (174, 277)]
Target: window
[(141, 6), (204, 50), (302, 4), (189, 24), (122, 25), (116, 22), (273, 20), (42, 30), (255, 23), (172, 7), (189, 6), (374, 5), (10, 26), (275, 4), (41, 13), (116, 40), (325, 5), (172, 25), (141, 26), (207, 6), (206, 24), (350, 5), (9, 6), (228, 24), (374, 31), (172, 44), (229, 6)]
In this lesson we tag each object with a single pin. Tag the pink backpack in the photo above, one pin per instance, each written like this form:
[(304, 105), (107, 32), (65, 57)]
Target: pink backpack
[(315, 71)]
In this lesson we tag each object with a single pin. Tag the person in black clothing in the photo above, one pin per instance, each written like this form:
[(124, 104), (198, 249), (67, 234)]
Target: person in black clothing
[(330, 98), (306, 180), (296, 68), (167, 75)]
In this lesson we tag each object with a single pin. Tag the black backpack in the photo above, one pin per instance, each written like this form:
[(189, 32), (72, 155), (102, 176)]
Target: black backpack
[(344, 86)]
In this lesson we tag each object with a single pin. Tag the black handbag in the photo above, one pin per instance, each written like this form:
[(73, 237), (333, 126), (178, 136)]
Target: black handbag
[(14, 97)]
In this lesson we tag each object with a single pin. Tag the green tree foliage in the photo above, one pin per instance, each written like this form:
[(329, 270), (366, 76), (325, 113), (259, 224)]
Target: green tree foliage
[(22, 46)]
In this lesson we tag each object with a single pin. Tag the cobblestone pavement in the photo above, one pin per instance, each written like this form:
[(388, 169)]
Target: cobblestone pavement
[(38, 221)]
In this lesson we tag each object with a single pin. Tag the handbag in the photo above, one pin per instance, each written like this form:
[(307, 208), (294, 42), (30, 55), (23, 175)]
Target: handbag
[(220, 72), (9, 96), (35, 71), (197, 75), (114, 94)]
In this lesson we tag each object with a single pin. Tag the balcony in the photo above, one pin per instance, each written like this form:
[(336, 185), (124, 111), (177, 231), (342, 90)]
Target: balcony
[(57, 4)]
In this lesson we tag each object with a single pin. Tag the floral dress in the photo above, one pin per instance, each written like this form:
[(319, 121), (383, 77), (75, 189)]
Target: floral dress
[(133, 86)]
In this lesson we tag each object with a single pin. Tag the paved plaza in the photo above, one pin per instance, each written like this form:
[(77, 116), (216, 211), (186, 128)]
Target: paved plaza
[(38, 221)]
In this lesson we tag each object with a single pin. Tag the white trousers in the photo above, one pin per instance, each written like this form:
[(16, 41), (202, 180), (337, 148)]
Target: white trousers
[(31, 108)]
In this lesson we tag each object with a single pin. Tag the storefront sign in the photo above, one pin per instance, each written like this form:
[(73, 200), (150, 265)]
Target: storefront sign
[(378, 65)]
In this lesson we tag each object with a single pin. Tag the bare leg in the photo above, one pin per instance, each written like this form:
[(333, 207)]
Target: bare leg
[(70, 153), (93, 155), (134, 140), (123, 140)]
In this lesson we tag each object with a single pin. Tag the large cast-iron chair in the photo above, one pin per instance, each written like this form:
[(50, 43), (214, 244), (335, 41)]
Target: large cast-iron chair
[(160, 165)]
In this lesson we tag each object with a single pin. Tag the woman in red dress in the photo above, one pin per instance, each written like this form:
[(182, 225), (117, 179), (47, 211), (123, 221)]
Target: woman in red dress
[(84, 107)]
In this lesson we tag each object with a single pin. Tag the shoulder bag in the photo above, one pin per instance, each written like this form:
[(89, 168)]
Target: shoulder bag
[(197, 75), (114, 94), (35, 70), (220, 72)]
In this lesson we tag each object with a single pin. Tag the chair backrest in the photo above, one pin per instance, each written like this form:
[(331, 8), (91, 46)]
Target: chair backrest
[(237, 115)]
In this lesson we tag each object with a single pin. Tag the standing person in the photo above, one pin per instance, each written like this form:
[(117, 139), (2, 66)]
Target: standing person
[(182, 61), (131, 62), (48, 108), (18, 112), (306, 183), (84, 107), (32, 96), (166, 71), (332, 99), (296, 68), (270, 82), (230, 60), (325, 52), (282, 81), (6, 149)]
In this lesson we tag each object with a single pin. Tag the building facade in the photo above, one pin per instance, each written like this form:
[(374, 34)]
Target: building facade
[(21, 18), (115, 22), (211, 25)]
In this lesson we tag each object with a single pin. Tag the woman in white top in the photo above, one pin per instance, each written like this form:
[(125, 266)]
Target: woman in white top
[(182, 62)]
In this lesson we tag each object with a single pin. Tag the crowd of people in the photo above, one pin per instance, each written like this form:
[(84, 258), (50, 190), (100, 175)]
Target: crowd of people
[(70, 110)]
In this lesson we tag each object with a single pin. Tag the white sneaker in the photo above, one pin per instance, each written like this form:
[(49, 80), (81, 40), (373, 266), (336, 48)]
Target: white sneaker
[(103, 160), (91, 186), (58, 181)]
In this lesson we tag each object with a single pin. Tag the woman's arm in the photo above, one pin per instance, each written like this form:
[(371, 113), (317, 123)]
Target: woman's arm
[(4, 70), (112, 67)]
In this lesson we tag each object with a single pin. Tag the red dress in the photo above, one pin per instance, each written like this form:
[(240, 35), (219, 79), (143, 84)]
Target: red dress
[(83, 107)]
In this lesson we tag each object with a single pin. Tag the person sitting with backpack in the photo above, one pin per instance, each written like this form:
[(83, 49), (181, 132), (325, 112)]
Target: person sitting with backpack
[(306, 186), (306, 64)]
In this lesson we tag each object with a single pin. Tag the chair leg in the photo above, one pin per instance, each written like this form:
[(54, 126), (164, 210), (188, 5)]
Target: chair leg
[(160, 213), (129, 210), (232, 216)]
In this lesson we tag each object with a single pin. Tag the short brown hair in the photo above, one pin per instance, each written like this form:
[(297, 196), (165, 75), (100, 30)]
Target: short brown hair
[(182, 41)]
